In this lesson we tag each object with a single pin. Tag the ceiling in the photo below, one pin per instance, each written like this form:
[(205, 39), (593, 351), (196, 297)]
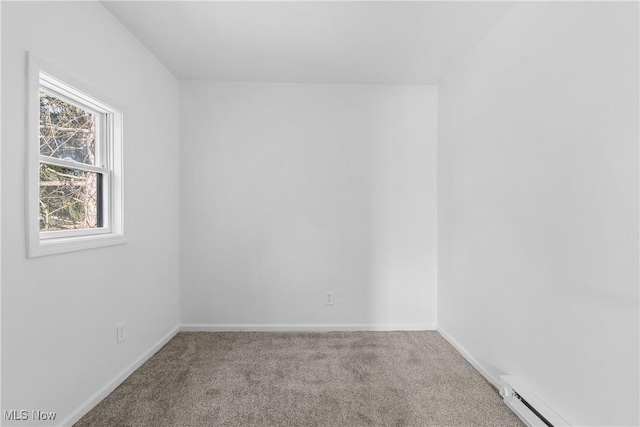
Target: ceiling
[(310, 42)]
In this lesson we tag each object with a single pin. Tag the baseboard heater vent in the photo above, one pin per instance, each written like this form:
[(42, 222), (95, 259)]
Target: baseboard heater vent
[(531, 410)]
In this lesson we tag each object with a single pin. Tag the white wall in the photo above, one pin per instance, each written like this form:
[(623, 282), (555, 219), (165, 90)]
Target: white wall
[(59, 312), (538, 206), (291, 190)]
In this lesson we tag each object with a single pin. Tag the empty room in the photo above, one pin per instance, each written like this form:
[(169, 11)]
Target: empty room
[(349, 213)]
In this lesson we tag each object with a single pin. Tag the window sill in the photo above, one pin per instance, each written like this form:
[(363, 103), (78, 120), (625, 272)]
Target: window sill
[(62, 245)]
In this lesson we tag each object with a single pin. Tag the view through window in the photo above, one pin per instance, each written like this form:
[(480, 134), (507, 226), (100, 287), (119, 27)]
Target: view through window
[(70, 193)]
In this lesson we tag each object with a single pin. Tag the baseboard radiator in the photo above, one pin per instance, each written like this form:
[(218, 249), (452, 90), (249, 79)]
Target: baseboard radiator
[(531, 410)]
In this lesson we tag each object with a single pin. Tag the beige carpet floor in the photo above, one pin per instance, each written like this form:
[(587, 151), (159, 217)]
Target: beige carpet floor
[(304, 379)]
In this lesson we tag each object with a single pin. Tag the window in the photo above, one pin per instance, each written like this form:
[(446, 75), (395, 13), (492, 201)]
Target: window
[(75, 166)]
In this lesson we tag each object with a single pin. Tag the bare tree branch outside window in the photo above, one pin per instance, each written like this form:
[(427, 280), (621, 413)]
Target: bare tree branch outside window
[(68, 197)]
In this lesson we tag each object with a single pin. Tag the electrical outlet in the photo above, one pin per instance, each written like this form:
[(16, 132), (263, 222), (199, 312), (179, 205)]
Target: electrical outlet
[(121, 332), (329, 298)]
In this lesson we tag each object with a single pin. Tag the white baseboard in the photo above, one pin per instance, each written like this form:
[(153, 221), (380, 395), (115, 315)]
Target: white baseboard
[(477, 365), (115, 382), (296, 327)]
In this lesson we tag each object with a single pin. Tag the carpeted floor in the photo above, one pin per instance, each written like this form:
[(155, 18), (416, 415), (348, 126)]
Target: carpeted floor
[(304, 379)]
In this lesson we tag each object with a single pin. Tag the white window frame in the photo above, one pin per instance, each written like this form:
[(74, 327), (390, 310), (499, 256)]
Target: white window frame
[(109, 163)]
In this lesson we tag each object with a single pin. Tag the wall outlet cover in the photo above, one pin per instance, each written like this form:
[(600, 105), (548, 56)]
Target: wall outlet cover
[(121, 332), (329, 298)]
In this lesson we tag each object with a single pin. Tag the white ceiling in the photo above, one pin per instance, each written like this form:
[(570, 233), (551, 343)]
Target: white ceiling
[(310, 42)]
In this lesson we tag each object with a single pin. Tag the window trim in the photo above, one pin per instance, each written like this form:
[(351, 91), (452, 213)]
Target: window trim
[(110, 162)]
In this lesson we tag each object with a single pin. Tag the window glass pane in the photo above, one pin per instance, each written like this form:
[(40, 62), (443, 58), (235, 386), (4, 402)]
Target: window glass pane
[(66, 131), (69, 198)]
